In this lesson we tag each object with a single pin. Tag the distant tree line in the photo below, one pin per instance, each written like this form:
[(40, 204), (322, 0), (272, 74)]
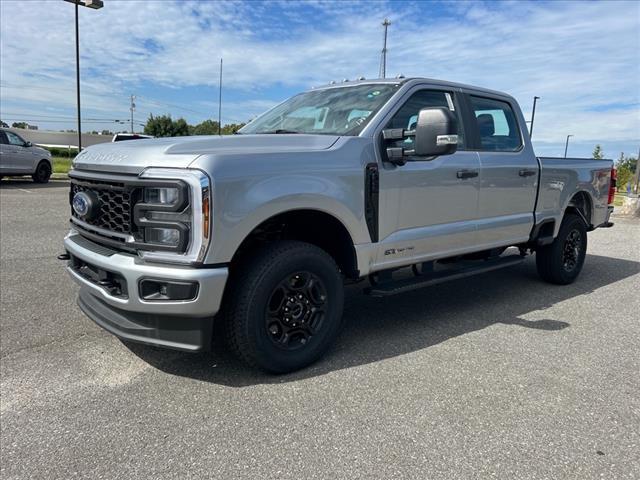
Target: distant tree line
[(625, 165), (165, 126)]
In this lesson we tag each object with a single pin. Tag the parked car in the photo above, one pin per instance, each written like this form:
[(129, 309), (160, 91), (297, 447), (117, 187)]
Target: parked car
[(347, 182), (119, 137), (20, 157)]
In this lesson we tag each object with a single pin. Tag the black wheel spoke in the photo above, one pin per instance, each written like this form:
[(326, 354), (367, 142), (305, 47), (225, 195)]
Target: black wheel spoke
[(571, 250), (296, 310)]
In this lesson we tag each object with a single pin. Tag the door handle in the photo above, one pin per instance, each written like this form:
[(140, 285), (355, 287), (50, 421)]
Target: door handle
[(527, 173), (466, 173)]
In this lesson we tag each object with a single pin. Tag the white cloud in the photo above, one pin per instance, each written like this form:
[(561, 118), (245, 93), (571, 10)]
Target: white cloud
[(580, 57)]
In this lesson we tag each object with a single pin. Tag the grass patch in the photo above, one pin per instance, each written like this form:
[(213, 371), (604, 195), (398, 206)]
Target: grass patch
[(618, 200), (61, 164)]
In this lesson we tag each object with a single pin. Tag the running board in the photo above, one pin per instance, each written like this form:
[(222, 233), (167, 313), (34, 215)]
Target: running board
[(481, 266)]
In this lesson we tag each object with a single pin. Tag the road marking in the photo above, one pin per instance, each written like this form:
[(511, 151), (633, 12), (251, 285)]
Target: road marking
[(26, 191)]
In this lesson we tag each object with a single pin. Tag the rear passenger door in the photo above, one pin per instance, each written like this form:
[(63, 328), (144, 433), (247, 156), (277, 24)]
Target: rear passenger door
[(509, 172)]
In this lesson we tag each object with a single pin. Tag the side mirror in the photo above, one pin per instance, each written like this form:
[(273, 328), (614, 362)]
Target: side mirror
[(436, 133), (28, 144)]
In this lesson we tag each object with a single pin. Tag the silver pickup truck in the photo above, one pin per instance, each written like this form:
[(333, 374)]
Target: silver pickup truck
[(403, 183)]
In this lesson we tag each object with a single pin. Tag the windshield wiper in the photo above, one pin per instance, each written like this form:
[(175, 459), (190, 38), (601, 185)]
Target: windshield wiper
[(281, 130)]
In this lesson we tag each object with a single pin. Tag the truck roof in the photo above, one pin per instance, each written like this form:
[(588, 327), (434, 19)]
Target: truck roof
[(403, 80)]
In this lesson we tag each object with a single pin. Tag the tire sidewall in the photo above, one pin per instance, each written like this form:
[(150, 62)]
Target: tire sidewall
[(268, 355)]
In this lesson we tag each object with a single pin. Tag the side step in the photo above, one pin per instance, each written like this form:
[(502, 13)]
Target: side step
[(407, 284)]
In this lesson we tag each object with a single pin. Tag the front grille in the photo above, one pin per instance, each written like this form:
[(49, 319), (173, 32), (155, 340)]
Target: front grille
[(116, 205)]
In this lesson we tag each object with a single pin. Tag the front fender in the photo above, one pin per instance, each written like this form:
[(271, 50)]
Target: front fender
[(241, 204)]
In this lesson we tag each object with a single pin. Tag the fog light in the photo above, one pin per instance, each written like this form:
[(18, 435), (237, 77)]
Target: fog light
[(162, 236), (154, 290), (164, 196)]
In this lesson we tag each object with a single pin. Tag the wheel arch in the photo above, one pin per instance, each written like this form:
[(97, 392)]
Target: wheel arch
[(313, 226), (581, 204)]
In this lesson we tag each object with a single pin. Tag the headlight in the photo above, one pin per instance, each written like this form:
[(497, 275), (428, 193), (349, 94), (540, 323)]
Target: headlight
[(174, 215), (162, 236), (163, 196)]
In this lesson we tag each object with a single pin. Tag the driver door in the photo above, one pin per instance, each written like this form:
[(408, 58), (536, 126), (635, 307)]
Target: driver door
[(428, 207)]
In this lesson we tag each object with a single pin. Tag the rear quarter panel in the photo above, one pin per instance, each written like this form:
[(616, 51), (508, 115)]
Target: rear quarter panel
[(562, 178)]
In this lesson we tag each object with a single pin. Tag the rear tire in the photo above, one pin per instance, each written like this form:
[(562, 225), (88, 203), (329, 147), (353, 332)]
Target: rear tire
[(561, 261), (283, 309), (42, 173)]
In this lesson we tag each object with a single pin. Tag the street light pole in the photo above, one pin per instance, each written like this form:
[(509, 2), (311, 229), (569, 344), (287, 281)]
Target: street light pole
[(533, 116), (78, 79), (94, 4), (566, 145)]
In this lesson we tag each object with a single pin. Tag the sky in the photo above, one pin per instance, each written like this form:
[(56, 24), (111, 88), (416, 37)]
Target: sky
[(581, 58)]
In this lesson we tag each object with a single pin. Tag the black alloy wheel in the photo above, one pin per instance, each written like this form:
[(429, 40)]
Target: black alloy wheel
[(296, 310), (42, 173)]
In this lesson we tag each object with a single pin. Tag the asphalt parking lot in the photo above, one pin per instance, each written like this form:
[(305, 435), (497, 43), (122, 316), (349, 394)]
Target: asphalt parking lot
[(499, 375)]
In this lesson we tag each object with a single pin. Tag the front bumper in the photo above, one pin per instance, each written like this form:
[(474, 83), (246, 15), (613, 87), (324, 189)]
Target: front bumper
[(183, 324)]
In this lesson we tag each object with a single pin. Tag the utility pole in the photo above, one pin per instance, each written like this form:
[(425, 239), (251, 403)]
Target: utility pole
[(383, 59), (132, 108), (566, 145), (220, 101), (533, 115)]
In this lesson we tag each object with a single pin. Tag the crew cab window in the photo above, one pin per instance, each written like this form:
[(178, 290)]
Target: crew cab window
[(407, 116), (497, 125), (14, 139)]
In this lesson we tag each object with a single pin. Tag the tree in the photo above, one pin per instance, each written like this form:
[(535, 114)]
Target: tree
[(598, 153), (106, 132), (19, 125), (3, 125), (180, 128), (231, 128), (208, 127), (626, 167), (164, 126)]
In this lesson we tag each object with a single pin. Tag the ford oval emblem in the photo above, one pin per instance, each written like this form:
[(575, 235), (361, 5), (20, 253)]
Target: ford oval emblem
[(83, 204)]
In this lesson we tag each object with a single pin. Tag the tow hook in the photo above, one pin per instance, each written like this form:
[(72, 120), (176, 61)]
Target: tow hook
[(64, 256)]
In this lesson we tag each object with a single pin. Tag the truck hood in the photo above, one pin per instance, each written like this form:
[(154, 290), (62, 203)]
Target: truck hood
[(133, 156)]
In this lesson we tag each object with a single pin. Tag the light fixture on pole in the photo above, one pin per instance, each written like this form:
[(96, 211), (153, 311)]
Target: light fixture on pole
[(95, 5), (533, 116), (566, 145)]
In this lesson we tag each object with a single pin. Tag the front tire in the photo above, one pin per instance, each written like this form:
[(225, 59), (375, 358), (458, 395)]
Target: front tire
[(42, 173), (283, 309), (561, 261)]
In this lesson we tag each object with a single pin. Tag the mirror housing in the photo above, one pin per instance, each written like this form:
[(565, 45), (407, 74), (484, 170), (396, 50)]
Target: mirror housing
[(436, 133), (28, 144)]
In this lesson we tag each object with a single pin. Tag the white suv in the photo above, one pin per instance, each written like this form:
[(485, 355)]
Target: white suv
[(20, 157)]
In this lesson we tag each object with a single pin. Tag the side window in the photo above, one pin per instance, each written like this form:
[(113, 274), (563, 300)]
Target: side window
[(3, 138), (407, 116), (497, 125), (14, 139)]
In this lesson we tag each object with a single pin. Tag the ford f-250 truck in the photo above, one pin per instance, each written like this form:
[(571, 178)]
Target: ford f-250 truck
[(357, 180)]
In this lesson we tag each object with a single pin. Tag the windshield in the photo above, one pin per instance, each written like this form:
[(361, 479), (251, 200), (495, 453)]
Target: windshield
[(334, 111)]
